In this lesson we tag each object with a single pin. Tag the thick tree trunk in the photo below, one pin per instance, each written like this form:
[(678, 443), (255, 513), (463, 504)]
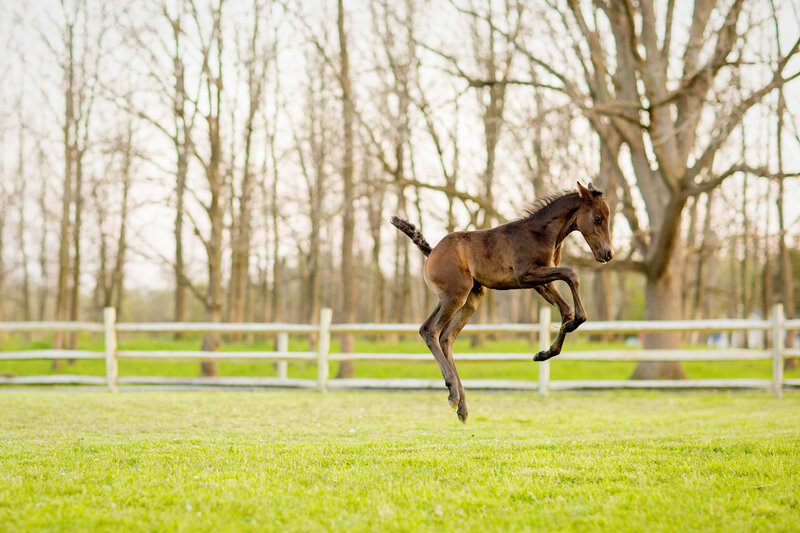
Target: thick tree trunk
[(663, 302)]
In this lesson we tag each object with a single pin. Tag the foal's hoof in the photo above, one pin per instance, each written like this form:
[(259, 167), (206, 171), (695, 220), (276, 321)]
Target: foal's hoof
[(544, 355), (453, 403), (462, 412), (454, 399)]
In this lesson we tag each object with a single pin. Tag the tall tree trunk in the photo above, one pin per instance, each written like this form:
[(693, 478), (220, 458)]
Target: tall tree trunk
[(375, 212), (346, 369), (216, 183), (784, 263), (315, 251), (766, 282), (76, 254), (22, 225), (687, 283), (277, 281), (214, 298), (118, 273), (607, 181), (702, 258), (663, 302), (182, 143), (240, 253), (44, 284), (62, 291), (181, 313), (401, 288)]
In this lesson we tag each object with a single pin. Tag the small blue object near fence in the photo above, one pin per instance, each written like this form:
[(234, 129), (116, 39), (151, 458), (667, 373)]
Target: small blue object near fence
[(777, 325)]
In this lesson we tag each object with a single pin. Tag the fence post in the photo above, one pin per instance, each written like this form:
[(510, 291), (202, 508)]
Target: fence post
[(544, 343), (283, 346), (323, 347), (110, 342), (778, 334)]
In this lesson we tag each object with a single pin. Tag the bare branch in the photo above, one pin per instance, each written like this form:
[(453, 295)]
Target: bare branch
[(712, 183)]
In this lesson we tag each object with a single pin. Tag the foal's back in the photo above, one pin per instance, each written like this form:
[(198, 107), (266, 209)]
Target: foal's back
[(488, 257)]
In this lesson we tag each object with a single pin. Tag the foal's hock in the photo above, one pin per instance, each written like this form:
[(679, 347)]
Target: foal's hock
[(523, 254)]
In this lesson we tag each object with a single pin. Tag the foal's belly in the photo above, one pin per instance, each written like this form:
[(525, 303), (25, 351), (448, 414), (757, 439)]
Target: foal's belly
[(495, 276)]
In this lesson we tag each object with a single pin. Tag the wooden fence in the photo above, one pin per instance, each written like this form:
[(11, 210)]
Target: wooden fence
[(778, 326)]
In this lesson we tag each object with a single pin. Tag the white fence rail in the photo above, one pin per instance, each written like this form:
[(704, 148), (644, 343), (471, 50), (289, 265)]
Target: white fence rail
[(777, 325)]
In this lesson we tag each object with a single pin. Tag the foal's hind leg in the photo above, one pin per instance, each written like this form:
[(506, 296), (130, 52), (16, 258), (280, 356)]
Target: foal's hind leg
[(448, 306), (448, 337)]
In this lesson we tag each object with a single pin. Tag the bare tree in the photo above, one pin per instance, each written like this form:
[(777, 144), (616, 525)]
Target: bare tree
[(212, 163), (170, 86), (256, 62), (20, 194), (44, 214), (389, 140), (110, 199), (62, 291), (313, 148), (348, 204), (784, 263), (629, 87), (78, 55), (181, 135)]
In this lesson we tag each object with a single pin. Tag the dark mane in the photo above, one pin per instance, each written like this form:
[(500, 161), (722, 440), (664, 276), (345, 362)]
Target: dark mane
[(540, 204)]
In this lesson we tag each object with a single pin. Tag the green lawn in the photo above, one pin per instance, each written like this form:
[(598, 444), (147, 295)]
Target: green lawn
[(282, 461), (409, 344)]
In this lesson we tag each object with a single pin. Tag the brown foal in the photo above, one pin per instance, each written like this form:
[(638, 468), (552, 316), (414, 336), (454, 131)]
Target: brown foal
[(522, 254)]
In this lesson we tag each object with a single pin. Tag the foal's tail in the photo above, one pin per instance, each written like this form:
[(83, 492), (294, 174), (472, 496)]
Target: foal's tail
[(413, 233)]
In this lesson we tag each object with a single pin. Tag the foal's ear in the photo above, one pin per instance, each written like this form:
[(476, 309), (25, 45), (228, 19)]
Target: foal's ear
[(595, 192), (583, 192)]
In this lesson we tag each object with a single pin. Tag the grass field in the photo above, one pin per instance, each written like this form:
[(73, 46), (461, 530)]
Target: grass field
[(278, 461)]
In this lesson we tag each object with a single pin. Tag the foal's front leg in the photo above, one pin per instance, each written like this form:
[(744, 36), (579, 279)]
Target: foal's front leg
[(550, 293), (539, 278)]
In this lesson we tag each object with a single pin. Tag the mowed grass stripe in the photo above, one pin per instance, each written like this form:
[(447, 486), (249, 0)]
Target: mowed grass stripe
[(222, 461)]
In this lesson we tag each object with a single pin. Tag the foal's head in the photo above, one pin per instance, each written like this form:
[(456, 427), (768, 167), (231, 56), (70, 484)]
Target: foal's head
[(592, 222)]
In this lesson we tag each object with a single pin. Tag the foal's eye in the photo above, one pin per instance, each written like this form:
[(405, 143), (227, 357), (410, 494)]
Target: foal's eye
[(598, 220)]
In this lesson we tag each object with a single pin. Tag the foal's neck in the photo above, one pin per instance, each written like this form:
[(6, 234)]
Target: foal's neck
[(557, 220)]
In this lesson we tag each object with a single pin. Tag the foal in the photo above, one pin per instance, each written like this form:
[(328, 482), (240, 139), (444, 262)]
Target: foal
[(519, 255)]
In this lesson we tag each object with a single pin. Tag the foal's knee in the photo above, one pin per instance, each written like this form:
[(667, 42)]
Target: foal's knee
[(571, 277)]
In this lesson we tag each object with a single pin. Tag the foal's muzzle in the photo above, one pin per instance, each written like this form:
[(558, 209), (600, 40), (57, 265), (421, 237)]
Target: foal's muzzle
[(604, 256)]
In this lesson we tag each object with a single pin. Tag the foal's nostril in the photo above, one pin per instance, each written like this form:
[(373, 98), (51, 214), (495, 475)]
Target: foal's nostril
[(609, 255)]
